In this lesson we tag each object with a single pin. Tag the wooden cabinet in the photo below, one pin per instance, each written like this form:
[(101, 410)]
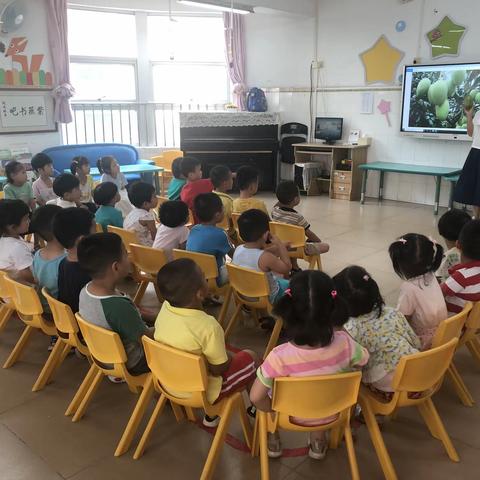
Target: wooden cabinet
[(337, 172)]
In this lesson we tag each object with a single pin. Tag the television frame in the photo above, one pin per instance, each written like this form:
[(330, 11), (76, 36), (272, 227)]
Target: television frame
[(329, 142), (459, 137)]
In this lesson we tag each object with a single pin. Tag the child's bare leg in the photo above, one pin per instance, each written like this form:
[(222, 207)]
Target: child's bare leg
[(476, 212), (318, 445)]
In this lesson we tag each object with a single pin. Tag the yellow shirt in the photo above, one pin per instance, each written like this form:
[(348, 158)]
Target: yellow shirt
[(241, 205), (193, 331)]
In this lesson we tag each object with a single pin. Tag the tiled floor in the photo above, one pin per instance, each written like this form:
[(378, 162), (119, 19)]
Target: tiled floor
[(37, 442)]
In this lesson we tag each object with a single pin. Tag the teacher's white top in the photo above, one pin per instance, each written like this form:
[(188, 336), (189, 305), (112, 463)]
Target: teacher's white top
[(476, 131)]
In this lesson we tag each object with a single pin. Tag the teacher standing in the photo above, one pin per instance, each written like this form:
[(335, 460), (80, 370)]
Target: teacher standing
[(467, 190)]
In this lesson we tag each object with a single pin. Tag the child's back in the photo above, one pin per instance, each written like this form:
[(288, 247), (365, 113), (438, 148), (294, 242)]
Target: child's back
[(247, 182), (106, 196), (177, 182)]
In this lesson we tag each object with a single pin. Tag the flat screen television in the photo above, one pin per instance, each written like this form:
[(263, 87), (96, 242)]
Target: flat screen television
[(328, 129), (433, 99)]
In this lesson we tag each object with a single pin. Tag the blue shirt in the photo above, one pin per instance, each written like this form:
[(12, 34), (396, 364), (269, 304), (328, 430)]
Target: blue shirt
[(210, 240), (45, 273), (175, 187), (107, 215)]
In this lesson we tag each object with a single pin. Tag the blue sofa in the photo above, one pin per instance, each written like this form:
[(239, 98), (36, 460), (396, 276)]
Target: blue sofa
[(125, 154)]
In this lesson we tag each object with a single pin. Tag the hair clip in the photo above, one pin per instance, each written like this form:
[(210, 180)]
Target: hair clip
[(366, 278), (402, 240), (288, 292), (334, 294), (432, 240)]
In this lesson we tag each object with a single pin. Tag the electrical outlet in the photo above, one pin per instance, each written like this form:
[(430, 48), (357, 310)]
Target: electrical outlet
[(317, 64)]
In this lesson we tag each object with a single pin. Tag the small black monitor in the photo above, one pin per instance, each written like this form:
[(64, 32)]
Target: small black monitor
[(328, 129)]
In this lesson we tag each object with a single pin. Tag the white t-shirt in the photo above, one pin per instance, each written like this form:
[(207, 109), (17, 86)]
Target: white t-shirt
[(15, 254), (60, 202), (476, 131), (132, 223), (169, 238)]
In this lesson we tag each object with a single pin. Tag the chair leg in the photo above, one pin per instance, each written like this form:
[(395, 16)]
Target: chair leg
[(255, 443), (263, 443), (140, 293), (149, 428), (427, 418), (437, 426), (459, 385), (19, 347), (88, 396), (54, 359), (352, 458), (218, 440), (377, 440), (274, 337), (474, 348), (247, 429), (136, 418), (6, 315), (224, 309), (178, 412), (72, 408), (233, 320), (190, 414), (335, 437)]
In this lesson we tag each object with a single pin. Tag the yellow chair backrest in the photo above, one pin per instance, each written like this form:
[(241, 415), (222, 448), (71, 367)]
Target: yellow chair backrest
[(5, 292), (62, 314), (127, 236), (2, 195), (161, 200), (288, 233), (472, 325), (423, 371), (166, 159), (98, 228), (207, 263), (148, 260), (224, 224), (235, 217), (26, 300), (451, 327), (177, 371), (314, 397), (252, 286)]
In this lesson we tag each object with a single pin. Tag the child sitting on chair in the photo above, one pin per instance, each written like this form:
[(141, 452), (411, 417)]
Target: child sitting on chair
[(67, 190), (312, 314), (288, 197), (80, 167), (172, 232), (18, 187), (449, 227), (177, 182), (105, 259), (106, 196), (463, 285), (222, 179), (262, 251), (247, 182), (43, 186), (183, 324), (141, 219), (382, 330), (207, 237), (15, 253)]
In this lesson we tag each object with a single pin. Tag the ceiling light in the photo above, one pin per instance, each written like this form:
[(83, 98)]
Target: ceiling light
[(219, 5)]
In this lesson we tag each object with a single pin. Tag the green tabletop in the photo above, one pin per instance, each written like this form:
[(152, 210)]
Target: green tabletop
[(410, 168), (3, 180), (136, 168), (453, 178)]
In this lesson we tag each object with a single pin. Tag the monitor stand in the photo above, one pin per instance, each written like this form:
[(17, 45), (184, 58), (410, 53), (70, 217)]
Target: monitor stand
[(329, 142)]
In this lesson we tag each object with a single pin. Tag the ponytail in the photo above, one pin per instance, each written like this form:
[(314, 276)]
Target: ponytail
[(77, 163), (437, 255), (74, 167)]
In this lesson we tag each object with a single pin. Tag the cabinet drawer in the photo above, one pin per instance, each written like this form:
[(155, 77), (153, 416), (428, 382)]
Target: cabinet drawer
[(342, 188), (341, 196), (340, 176)]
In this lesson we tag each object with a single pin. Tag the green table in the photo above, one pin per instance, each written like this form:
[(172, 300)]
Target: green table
[(3, 181), (430, 170)]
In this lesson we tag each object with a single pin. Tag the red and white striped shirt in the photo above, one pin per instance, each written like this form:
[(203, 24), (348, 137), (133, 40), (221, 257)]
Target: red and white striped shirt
[(462, 286)]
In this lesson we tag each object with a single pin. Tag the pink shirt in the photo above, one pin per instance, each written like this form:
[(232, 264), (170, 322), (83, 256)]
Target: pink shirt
[(421, 300)]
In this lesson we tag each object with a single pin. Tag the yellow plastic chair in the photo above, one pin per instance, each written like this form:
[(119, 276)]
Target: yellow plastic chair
[(128, 238), (108, 358), (251, 288), (470, 334), (165, 161), (30, 310), (7, 306), (2, 194), (148, 262), (235, 217), (186, 374), (98, 228), (421, 373), (310, 398), (296, 237), (208, 265), (67, 338)]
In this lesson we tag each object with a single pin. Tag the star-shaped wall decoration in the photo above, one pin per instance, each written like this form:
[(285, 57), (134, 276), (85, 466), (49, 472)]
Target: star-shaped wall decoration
[(445, 38), (381, 61)]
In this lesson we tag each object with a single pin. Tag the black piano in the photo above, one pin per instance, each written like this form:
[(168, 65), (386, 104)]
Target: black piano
[(234, 145)]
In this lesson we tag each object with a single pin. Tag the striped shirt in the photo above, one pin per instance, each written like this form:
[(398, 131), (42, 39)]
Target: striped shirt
[(288, 215), (462, 286)]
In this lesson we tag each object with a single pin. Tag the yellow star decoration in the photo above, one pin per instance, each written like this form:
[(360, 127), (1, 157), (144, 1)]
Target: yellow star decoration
[(381, 61)]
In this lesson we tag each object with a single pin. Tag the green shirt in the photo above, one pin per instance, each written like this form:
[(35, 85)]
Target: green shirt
[(175, 187), (107, 215), (24, 192)]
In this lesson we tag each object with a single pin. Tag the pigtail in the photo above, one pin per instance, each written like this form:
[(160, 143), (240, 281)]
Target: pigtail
[(437, 255), (74, 167), (100, 165)]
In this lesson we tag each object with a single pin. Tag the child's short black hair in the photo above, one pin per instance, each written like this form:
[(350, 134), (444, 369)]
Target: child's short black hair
[(104, 164), (140, 192), (11, 168), (247, 175), (414, 255), (179, 281), (96, 253), (206, 206), (173, 213), (40, 160), (70, 224), (78, 163), (42, 221), (104, 193), (469, 240), (252, 224), (359, 290), (12, 213), (177, 167), (451, 223), (219, 174), (65, 183), (311, 309), (286, 192), (189, 165)]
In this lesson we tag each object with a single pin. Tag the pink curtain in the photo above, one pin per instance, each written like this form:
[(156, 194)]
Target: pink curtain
[(235, 47), (58, 42)]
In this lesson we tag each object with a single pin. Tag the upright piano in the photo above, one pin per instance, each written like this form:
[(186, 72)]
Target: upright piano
[(233, 139)]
